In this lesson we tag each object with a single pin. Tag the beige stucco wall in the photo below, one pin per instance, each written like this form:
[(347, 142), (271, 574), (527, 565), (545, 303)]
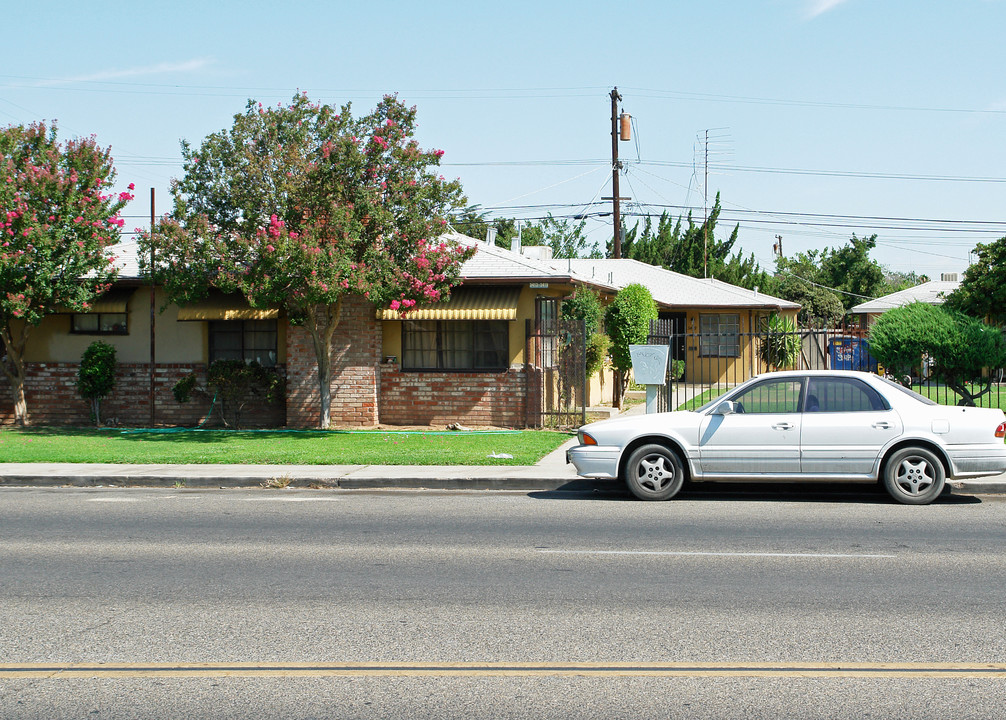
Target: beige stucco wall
[(726, 370), (174, 342)]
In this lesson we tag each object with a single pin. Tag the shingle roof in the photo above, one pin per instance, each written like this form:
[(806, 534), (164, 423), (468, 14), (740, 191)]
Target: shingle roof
[(933, 292), (495, 263), (489, 263), (671, 289)]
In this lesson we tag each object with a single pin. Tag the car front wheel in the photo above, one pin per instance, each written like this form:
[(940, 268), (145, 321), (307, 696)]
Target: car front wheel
[(914, 476), (654, 472)]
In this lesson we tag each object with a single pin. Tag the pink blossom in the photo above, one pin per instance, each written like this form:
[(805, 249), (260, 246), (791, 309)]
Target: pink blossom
[(131, 186), (395, 304)]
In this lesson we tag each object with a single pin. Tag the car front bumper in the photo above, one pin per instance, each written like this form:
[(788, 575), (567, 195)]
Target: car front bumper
[(594, 461)]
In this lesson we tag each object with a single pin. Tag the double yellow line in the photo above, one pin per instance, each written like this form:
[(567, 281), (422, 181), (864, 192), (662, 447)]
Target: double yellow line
[(400, 669)]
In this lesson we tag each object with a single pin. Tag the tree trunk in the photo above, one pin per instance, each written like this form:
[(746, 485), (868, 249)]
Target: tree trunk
[(967, 397), (321, 324), (20, 406), (13, 367)]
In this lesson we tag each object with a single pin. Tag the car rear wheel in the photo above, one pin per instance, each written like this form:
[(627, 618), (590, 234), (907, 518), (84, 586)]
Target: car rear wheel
[(914, 476), (654, 472)]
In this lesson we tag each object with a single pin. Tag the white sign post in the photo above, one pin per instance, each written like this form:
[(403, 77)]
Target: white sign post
[(649, 368)]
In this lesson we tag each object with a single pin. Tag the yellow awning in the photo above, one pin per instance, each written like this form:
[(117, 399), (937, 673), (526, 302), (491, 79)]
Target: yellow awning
[(115, 300), (466, 303), (225, 307)]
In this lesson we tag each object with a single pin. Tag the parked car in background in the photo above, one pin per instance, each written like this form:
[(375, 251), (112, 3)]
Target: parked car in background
[(818, 426)]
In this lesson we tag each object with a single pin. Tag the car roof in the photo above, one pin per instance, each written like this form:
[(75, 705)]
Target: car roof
[(817, 373)]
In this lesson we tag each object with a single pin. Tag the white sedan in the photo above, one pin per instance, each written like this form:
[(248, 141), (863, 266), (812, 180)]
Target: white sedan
[(824, 426)]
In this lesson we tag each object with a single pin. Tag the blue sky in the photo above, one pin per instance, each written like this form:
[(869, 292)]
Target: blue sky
[(825, 117)]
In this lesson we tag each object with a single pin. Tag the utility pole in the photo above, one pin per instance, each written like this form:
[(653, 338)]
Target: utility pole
[(152, 310), (705, 214), (615, 167), (778, 246), (624, 134)]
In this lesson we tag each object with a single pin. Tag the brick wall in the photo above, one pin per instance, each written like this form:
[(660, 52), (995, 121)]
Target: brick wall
[(474, 399), (51, 395), (356, 352)]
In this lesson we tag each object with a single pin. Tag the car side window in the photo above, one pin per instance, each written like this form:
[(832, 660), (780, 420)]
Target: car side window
[(832, 395), (771, 396)]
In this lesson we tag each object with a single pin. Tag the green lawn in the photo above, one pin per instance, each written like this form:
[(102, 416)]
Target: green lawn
[(995, 398), (275, 447)]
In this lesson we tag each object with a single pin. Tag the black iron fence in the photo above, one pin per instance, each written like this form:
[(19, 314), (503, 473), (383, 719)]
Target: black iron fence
[(703, 366), (557, 373)]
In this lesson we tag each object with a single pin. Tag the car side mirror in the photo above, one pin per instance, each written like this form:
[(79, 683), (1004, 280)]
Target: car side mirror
[(725, 408)]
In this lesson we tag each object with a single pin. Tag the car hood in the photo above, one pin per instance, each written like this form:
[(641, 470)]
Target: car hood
[(654, 422)]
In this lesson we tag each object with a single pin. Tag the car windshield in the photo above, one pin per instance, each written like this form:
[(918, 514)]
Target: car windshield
[(911, 393), (715, 401)]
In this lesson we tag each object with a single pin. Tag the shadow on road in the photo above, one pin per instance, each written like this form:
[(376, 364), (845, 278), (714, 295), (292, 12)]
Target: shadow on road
[(858, 493)]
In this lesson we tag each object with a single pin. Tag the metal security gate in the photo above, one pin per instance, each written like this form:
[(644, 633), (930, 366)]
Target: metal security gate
[(702, 366), (556, 372)]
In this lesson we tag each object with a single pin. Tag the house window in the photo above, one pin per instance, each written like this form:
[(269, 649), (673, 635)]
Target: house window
[(248, 340), (719, 335), (455, 345), (98, 324)]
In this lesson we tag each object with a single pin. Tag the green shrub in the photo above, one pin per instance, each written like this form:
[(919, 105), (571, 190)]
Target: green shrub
[(232, 384), (96, 376), (627, 322), (959, 347), (584, 304), (780, 342)]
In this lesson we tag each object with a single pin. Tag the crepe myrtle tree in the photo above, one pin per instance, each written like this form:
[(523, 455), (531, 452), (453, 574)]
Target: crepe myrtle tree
[(57, 221), (300, 205)]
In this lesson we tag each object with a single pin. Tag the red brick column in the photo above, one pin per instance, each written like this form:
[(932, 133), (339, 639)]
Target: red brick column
[(356, 352)]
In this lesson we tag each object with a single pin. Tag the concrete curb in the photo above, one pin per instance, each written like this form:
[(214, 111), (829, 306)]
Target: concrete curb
[(364, 477)]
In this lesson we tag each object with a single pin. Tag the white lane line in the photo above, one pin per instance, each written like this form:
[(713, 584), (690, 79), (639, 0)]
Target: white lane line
[(675, 553), (113, 500), (293, 499)]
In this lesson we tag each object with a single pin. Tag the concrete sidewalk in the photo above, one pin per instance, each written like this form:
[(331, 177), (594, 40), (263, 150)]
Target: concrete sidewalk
[(550, 473)]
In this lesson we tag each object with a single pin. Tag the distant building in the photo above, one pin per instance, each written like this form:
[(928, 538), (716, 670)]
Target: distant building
[(933, 292)]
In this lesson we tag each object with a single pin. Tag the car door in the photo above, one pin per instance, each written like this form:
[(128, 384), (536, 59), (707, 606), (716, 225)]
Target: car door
[(846, 424), (762, 436)]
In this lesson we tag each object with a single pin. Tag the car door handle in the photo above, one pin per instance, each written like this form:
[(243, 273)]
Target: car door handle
[(882, 425), (783, 426)]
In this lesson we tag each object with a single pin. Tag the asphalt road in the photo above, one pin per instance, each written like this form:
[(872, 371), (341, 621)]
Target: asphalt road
[(314, 604)]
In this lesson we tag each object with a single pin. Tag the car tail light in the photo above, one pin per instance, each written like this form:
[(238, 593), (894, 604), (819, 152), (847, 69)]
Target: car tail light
[(586, 439), (1001, 430)]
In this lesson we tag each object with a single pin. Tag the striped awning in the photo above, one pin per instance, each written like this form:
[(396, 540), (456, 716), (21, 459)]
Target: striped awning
[(466, 303), (115, 300), (218, 306)]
